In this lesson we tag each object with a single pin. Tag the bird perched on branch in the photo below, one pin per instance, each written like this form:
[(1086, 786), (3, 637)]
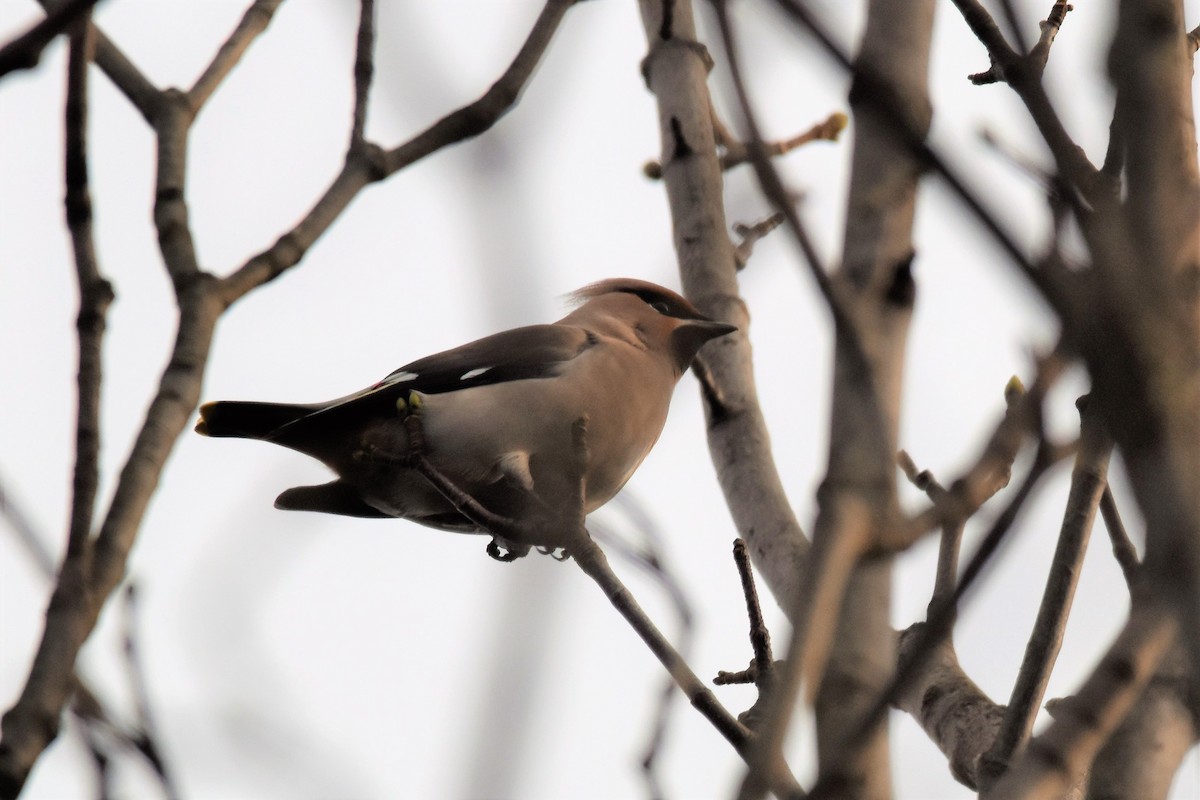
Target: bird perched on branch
[(499, 418)]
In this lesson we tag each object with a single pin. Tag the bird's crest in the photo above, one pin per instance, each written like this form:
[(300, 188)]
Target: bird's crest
[(675, 305)]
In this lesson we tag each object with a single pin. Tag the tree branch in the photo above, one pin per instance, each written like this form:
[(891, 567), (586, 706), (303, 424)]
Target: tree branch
[(95, 295), (253, 23), (25, 51), (1122, 545), (34, 721), (1024, 75), (950, 542), (956, 714), (368, 163), (364, 71), (477, 117), (675, 69), (1087, 486), (84, 587), (1142, 756), (1062, 289), (936, 628), (1054, 760), (120, 70)]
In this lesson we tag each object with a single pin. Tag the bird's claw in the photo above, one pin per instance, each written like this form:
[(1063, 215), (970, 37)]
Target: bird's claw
[(506, 552), (558, 553)]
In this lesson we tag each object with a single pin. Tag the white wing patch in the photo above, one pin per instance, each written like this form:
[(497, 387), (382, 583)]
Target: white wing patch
[(473, 373), (399, 377), (514, 465)]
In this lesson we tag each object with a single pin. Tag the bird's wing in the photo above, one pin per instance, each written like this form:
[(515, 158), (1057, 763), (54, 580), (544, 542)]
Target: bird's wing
[(534, 351)]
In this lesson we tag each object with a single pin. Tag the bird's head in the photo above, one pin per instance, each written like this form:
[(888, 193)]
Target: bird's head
[(658, 317)]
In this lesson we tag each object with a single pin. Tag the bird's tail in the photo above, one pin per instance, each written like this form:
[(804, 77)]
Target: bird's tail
[(246, 420)]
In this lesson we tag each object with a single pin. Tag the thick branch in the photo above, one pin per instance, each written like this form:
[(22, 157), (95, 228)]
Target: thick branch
[(1061, 289), (936, 628), (1142, 757), (675, 69), (956, 714)]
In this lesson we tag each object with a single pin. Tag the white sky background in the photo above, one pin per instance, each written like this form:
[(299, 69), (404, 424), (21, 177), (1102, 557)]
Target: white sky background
[(298, 655)]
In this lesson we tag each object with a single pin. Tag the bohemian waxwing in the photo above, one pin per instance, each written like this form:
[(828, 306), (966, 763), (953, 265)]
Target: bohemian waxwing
[(497, 414)]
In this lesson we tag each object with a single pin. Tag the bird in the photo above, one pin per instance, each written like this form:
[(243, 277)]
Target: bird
[(497, 417)]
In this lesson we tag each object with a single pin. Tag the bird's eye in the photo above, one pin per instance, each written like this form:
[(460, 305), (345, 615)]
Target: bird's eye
[(660, 307)]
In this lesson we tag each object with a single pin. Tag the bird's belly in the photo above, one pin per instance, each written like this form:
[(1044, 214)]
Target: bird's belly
[(470, 432)]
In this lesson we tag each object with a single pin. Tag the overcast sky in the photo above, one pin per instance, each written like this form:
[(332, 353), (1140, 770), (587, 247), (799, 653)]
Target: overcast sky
[(295, 655)]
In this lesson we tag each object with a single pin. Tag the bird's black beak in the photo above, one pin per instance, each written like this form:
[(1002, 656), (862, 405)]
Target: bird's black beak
[(691, 335)]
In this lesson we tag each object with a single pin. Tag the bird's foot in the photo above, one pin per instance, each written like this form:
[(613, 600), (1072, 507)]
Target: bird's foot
[(557, 553), (506, 551), (411, 404)]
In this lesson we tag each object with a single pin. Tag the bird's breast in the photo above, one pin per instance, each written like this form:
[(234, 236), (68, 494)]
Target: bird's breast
[(474, 432)]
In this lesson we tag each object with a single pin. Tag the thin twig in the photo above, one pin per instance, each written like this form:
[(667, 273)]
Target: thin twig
[(1024, 76), (750, 235), (147, 740), (369, 164), (25, 51), (814, 614), (760, 637), (648, 557), (762, 667), (735, 152), (1048, 31), (120, 70), (993, 469), (1087, 486), (253, 23), (85, 705), (950, 542), (1059, 287), (95, 296), (1023, 164), (1055, 760), (770, 180), (477, 117), (33, 722), (592, 561), (364, 71), (18, 521), (827, 130), (1035, 58), (1122, 546)]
